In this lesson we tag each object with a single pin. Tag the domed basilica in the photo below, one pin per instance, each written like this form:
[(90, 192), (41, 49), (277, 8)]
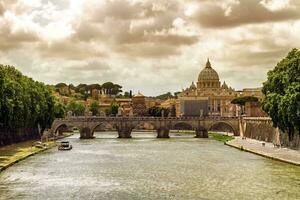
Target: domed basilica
[(209, 97)]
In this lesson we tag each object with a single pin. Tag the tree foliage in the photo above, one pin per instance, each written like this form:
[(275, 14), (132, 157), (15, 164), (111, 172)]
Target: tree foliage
[(282, 93), (113, 109), (94, 108), (156, 111), (241, 101), (77, 108), (24, 103), (84, 91), (165, 96)]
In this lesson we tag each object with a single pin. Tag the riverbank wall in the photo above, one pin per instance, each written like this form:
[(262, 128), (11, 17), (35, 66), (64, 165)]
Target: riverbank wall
[(261, 129), (11, 136)]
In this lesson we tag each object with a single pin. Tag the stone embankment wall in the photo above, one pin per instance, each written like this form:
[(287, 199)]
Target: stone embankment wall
[(10, 136), (261, 128)]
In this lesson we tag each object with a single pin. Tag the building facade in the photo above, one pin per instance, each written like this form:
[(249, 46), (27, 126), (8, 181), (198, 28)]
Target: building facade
[(139, 105), (209, 97)]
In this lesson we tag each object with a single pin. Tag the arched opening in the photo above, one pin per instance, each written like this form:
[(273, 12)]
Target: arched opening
[(182, 129), (104, 130), (223, 128), (63, 128), (182, 126), (143, 130)]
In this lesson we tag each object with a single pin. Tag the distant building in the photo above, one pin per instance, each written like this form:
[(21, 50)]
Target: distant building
[(151, 102), (256, 92), (254, 109), (209, 97), (125, 104), (139, 105)]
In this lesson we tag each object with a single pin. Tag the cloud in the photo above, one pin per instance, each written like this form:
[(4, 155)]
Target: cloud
[(153, 46), (240, 12), (11, 38), (69, 49), (1, 8)]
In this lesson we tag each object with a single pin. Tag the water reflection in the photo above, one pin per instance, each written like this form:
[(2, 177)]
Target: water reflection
[(181, 167)]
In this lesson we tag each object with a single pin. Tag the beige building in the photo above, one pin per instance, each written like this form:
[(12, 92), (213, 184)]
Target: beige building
[(139, 105)]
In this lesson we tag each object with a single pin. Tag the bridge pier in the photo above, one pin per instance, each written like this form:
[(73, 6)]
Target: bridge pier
[(163, 133), (86, 133), (124, 133), (201, 133)]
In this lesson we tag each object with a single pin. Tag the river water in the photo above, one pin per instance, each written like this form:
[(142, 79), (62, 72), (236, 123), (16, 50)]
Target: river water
[(144, 167)]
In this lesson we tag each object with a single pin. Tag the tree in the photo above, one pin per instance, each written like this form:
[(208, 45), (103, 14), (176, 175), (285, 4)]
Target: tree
[(59, 109), (165, 96), (60, 85), (94, 108), (126, 94), (25, 105), (108, 86), (113, 109), (282, 93), (111, 88), (76, 108), (156, 111), (241, 101)]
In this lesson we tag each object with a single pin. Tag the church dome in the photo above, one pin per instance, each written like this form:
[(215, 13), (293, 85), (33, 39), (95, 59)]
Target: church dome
[(208, 73)]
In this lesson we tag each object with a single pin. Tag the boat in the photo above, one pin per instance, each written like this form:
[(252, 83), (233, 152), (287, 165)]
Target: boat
[(40, 145), (64, 145)]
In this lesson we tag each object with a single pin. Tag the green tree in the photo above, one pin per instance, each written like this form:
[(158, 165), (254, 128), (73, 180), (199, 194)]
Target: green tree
[(111, 88), (77, 108), (282, 93), (94, 108), (165, 96), (59, 109), (126, 94), (113, 109), (156, 111), (241, 101), (25, 104)]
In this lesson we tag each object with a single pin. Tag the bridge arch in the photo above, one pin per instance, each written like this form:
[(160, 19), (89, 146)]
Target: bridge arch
[(223, 127), (182, 126), (103, 126), (59, 129), (143, 125)]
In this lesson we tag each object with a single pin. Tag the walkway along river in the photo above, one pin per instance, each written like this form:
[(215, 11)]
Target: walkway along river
[(145, 167)]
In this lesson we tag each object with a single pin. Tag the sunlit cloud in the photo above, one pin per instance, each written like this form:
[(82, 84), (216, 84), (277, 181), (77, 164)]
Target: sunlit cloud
[(152, 46)]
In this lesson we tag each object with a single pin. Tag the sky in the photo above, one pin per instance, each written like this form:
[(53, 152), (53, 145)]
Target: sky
[(151, 46)]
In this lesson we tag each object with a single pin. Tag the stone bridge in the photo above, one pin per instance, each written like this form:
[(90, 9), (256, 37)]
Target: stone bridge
[(125, 125)]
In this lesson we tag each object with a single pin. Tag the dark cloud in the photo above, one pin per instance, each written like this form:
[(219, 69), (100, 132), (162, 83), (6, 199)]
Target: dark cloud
[(213, 15)]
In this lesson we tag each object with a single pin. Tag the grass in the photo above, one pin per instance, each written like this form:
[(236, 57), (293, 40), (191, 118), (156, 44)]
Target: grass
[(13, 153), (220, 137)]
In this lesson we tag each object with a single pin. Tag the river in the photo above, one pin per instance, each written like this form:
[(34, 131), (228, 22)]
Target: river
[(144, 167)]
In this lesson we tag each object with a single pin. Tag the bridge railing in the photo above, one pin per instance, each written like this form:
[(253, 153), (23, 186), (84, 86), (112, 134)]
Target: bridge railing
[(142, 118)]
